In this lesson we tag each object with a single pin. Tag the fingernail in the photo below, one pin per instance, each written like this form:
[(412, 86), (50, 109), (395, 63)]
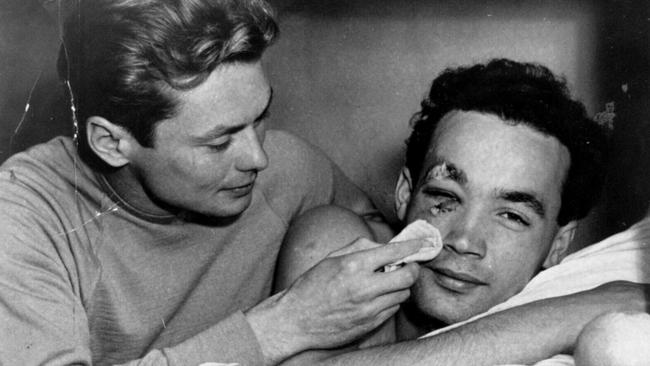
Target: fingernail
[(431, 241)]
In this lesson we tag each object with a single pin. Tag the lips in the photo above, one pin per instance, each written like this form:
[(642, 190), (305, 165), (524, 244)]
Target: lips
[(243, 186), (456, 281), (242, 189)]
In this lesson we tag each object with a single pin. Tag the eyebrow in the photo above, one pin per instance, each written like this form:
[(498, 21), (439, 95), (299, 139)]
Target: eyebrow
[(526, 198), (219, 131), (454, 172)]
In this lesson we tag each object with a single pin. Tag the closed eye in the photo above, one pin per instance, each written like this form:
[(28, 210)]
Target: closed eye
[(220, 146)]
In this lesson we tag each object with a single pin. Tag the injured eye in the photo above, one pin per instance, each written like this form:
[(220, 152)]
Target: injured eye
[(443, 201), (441, 208)]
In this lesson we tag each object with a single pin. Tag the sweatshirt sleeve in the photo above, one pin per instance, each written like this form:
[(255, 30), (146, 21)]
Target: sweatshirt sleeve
[(43, 315), (231, 341), (42, 318)]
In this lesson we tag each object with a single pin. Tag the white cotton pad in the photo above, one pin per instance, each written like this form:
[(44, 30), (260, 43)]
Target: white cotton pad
[(417, 230)]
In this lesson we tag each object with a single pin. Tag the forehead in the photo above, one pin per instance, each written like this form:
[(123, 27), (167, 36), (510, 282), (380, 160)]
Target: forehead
[(492, 153), (233, 94)]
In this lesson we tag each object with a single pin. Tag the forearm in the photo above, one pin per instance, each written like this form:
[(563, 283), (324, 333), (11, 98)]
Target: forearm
[(229, 341), (383, 335), (520, 335), (278, 339)]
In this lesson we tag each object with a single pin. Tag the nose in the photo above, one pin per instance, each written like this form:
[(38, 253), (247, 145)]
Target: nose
[(252, 155), (467, 236)]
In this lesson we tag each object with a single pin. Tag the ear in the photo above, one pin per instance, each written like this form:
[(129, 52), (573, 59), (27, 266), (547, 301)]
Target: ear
[(403, 193), (560, 246), (112, 143)]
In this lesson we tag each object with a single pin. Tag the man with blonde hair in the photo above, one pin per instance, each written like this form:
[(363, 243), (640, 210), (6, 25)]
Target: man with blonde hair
[(152, 236)]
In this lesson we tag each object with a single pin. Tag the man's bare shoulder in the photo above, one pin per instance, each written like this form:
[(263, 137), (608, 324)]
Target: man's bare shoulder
[(315, 234)]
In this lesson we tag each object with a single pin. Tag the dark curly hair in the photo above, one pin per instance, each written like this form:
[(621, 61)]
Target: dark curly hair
[(123, 57), (525, 93)]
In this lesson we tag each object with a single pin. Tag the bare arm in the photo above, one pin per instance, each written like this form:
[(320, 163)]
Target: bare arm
[(315, 272), (524, 334), (311, 238)]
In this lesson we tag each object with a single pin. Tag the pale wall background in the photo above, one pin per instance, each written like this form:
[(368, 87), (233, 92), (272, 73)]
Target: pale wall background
[(348, 75), (351, 77)]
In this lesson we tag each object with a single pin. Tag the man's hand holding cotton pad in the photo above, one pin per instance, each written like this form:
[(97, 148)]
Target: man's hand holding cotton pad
[(418, 229)]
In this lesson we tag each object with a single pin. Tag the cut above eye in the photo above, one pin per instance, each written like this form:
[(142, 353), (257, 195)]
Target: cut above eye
[(439, 193)]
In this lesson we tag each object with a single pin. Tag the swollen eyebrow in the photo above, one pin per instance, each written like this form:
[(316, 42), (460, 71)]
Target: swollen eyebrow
[(444, 170), (527, 199)]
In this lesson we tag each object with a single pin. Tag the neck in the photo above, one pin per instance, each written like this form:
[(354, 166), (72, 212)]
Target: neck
[(125, 184)]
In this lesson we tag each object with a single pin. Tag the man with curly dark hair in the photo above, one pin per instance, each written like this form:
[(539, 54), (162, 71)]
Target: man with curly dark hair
[(503, 162), (539, 191), (519, 93)]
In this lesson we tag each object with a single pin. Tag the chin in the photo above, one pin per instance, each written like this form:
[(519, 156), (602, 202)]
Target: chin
[(445, 314), (229, 209), (443, 307)]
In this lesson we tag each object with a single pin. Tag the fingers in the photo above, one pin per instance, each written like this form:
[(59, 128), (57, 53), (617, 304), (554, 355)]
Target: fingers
[(387, 313), (382, 316), (358, 245), (393, 299), (389, 253), (373, 313), (388, 257), (423, 255), (394, 253), (397, 280), (366, 288), (348, 278), (383, 307), (419, 229), (344, 297)]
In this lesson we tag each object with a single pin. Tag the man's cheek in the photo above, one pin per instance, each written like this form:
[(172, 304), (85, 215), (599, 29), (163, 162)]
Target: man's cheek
[(422, 210)]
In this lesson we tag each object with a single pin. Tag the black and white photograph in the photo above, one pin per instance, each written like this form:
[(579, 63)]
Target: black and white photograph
[(330, 183)]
